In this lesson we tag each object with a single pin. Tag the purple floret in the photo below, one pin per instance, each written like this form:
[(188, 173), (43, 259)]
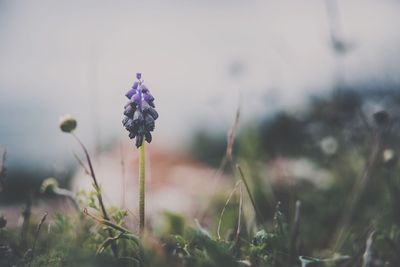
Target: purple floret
[(130, 93)]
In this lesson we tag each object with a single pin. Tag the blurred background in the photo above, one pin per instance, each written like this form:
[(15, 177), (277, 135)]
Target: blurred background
[(305, 93), (301, 72), (199, 58)]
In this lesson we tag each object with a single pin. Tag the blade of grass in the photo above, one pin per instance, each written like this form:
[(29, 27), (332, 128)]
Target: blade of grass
[(358, 188), (98, 191), (224, 208), (367, 257), (239, 222), (295, 232), (253, 203), (37, 236)]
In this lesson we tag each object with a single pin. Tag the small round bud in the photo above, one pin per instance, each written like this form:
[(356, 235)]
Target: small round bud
[(138, 75), (49, 185), (67, 123)]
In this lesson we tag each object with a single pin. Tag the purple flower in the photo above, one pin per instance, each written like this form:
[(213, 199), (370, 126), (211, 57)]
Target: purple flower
[(139, 113)]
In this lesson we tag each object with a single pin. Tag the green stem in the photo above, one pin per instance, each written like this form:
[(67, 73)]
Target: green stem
[(253, 203), (98, 192), (142, 176)]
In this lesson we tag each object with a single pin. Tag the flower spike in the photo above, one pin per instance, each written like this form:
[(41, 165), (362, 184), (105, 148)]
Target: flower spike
[(139, 112)]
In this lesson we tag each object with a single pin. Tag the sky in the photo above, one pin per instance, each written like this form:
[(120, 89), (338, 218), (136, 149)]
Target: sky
[(200, 59)]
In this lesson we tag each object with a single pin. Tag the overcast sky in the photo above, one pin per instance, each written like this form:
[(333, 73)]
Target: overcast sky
[(80, 57)]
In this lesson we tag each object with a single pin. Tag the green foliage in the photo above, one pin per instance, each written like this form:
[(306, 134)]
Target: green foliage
[(329, 229)]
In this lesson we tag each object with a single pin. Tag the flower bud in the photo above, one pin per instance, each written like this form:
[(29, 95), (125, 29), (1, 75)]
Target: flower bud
[(67, 123), (49, 185)]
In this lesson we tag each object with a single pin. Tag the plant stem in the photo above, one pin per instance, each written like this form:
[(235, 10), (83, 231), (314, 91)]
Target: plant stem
[(142, 175), (358, 189), (253, 203), (98, 191), (294, 233), (37, 236), (26, 215)]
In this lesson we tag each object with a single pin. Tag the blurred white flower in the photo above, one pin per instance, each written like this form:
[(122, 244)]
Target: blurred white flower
[(388, 155), (329, 145)]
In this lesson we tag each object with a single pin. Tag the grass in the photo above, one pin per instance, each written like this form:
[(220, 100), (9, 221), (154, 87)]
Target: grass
[(354, 221)]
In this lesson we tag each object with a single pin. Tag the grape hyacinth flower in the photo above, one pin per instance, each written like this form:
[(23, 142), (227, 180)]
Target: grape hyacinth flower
[(139, 113), (139, 121)]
